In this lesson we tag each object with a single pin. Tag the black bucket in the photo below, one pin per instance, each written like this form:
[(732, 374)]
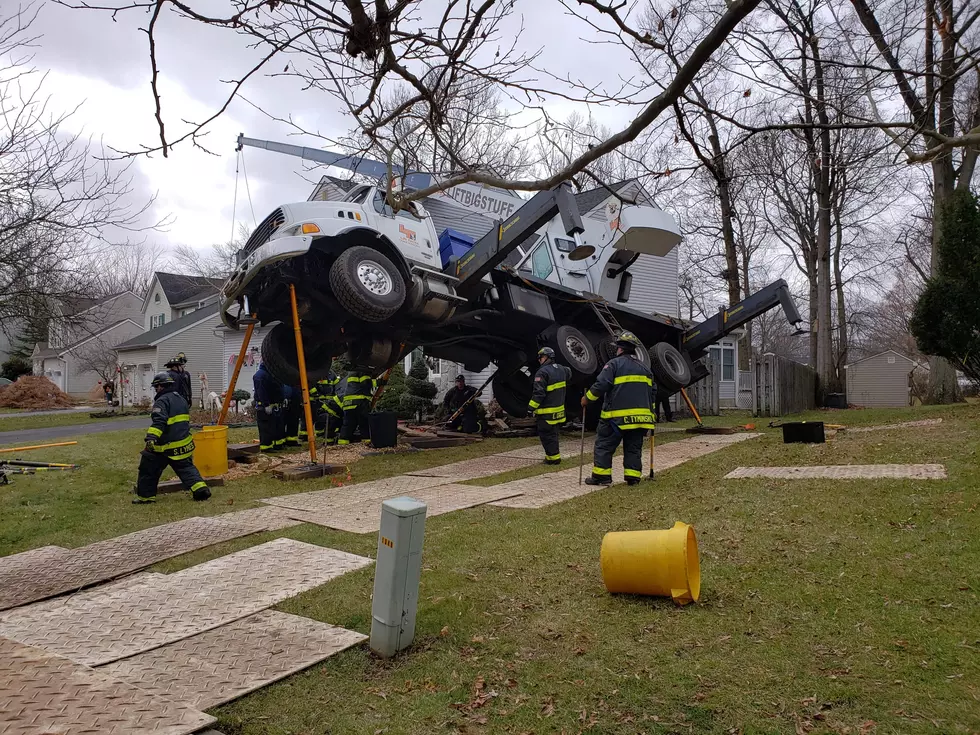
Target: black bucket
[(384, 429), (804, 432)]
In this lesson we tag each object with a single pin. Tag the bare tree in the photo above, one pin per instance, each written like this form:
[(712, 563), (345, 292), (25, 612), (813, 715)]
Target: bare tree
[(61, 207), (129, 268)]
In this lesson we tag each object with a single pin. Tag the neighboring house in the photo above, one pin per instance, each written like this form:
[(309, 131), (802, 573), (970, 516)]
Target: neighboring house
[(82, 336), (725, 353), (881, 380), (194, 334), (172, 296)]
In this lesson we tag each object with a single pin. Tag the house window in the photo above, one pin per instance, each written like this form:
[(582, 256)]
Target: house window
[(725, 356), (158, 321), (156, 298)]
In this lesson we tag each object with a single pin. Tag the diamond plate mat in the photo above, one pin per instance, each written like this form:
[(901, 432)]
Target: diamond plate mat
[(27, 560), (472, 469), (265, 519), (102, 628), (365, 517), (41, 694), (845, 472), (223, 664), (544, 490), (58, 602), (47, 576), (347, 495)]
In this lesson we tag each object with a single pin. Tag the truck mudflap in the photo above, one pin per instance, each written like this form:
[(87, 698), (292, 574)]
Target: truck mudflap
[(274, 251)]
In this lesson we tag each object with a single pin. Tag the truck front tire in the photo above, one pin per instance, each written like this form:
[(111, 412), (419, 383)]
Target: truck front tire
[(367, 284), (513, 392), (279, 357), (575, 350), (669, 367)]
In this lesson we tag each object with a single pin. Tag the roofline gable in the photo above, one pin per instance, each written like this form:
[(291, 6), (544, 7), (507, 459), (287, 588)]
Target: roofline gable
[(884, 352)]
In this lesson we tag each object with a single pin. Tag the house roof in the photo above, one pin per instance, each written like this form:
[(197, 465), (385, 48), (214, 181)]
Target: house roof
[(205, 295), (42, 350), (180, 289), (589, 200), (909, 360), (159, 334)]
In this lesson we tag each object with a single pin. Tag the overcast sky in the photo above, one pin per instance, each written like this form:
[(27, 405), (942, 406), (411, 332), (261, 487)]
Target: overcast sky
[(102, 65)]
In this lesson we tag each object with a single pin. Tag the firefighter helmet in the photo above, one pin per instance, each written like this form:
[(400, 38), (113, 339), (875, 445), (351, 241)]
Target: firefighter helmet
[(628, 341), (162, 379), (546, 352)]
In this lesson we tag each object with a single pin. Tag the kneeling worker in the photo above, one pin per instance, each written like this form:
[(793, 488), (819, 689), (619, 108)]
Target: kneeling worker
[(627, 412), (468, 420), (548, 402), (168, 442)]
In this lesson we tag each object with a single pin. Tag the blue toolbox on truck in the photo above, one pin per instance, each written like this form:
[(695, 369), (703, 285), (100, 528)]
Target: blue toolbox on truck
[(453, 244)]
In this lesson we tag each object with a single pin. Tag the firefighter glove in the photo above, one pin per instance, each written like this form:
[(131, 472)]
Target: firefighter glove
[(268, 410)]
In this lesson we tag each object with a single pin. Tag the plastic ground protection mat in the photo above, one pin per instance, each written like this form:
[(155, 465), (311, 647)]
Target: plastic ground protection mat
[(333, 498), (472, 469), (53, 573), (365, 517), (119, 623), (57, 602), (544, 490), (215, 667), (44, 693), (567, 447), (844, 472)]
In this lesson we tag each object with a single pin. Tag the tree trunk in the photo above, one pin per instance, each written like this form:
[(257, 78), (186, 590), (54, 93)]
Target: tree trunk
[(745, 344), (826, 374), (842, 335)]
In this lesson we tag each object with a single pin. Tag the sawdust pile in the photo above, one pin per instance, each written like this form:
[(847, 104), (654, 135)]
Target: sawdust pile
[(35, 392), (346, 455)]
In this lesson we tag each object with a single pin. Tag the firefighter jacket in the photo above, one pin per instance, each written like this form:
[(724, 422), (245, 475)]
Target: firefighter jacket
[(627, 387), (456, 398), (170, 430), (268, 390), (361, 388), (324, 391), (548, 393)]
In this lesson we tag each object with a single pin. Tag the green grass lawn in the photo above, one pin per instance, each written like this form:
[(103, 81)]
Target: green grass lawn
[(24, 420), (827, 607)]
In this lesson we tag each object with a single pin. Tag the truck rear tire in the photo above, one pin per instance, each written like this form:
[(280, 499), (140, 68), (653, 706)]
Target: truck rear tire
[(575, 350), (669, 367), (513, 392), (367, 284), (279, 356), (607, 351)]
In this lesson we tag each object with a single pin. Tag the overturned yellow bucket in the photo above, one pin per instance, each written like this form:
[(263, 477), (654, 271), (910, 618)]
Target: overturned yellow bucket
[(659, 563), (211, 450)]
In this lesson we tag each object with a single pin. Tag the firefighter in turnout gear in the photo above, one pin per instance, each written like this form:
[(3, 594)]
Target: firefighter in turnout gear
[(168, 441), (626, 385), (548, 402), (292, 412), (268, 404), (330, 413), (361, 387), (182, 378), (468, 420)]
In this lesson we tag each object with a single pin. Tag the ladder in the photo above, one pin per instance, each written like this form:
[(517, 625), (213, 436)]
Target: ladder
[(606, 317)]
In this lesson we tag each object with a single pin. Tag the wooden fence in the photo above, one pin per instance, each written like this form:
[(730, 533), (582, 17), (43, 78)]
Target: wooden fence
[(706, 393), (782, 386)]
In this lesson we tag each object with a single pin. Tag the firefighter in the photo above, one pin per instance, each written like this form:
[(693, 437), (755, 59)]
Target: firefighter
[(548, 402), (168, 441), (330, 413), (361, 387), (182, 379), (626, 386), (267, 392), (292, 411), (468, 420)]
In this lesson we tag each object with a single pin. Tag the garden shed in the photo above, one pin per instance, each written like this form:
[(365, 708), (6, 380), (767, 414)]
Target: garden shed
[(882, 380)]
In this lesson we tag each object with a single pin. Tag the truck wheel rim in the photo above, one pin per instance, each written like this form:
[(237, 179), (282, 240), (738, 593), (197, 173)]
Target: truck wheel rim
[(577, 349), (374, 278)]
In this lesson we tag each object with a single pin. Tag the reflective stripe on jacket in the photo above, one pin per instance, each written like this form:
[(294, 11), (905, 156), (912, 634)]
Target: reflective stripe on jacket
[(170, 430), (548, 392), (627, 388), (360, 389)]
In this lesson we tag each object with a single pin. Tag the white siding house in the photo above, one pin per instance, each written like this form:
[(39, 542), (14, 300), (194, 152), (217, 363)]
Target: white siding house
[(171, 296)]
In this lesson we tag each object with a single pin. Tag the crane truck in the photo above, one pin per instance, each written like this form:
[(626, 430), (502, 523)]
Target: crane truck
[(370, 282)]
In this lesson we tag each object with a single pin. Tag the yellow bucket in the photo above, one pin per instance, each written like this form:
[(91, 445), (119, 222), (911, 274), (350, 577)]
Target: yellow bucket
[(660, 563), (211, 450)]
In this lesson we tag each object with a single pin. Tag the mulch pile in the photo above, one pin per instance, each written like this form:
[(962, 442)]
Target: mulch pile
[(35, 392)]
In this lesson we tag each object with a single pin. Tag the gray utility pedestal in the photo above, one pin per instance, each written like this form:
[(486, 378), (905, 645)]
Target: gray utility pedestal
[(397, 574)]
